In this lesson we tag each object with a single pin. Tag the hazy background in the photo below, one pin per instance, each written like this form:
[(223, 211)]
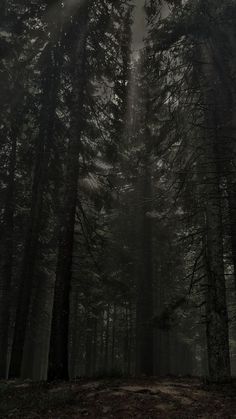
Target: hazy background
[(139, 23)]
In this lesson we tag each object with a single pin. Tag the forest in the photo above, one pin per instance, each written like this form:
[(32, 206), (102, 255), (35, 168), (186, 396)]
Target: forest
[(118, 208)]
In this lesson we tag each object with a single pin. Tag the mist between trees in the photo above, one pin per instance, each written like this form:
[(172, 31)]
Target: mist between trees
[(117, 190)]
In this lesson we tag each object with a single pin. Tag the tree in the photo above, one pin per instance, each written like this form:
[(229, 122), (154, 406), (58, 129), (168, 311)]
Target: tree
[(11, 127), (216, 306), (50, 77)]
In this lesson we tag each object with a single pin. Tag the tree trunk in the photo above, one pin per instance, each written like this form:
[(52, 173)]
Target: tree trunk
[(28, 282), (231, 190), (216, 305), (75, 331), (127, 341), (7, 256), (94, 366), (145, 286), (113, 343), (58, 360), (107, 338), (3, 8), (101, 348), (89, 344)]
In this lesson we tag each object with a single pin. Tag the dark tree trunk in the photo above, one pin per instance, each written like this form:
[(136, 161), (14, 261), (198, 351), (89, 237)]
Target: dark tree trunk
[(107, 338), (231, 189), (145, 286), (89, 345), (3, 8), (94, 365), (216, 305), (113, 343), (101, 346), (144, 310), (127, 341), (75, 332), (7, 256), (58, 359), (50, 83)]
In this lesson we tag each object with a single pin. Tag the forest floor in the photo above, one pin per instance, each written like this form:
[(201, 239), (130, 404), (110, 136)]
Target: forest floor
[(117, 398)]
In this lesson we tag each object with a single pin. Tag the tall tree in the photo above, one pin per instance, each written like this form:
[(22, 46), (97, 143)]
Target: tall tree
[(58, 366), (145, 280), (50, 77), (13, 88), (216, 305)]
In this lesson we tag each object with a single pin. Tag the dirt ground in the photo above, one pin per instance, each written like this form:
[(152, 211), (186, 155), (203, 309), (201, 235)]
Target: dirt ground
[(121, 399)]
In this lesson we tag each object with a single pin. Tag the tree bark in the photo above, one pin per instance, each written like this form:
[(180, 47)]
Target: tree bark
[(94, 364), (145, 286), (113, 343), (107, 338), (101, 346), (27, 281), (216, 305), (58, 359), (231, 190), (7, 256)]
